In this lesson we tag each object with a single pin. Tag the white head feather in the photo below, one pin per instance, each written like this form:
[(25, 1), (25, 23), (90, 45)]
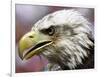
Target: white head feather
[(72, 43)]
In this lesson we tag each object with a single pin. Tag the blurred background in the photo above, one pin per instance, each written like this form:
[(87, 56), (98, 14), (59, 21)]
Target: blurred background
[(25, 17)]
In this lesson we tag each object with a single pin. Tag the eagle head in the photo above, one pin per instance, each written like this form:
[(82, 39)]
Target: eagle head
[(63, 37)]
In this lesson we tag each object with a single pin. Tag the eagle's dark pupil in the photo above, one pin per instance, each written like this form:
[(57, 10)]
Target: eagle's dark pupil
[(50, 31)]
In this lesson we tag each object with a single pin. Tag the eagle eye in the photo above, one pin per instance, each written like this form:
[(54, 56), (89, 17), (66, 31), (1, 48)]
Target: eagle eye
[(49, 31)]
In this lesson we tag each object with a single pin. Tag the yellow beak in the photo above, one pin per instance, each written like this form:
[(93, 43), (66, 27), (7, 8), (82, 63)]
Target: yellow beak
[(32, 43)]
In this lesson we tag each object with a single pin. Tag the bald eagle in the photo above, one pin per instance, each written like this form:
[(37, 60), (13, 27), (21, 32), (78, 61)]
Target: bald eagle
[(64, 37)]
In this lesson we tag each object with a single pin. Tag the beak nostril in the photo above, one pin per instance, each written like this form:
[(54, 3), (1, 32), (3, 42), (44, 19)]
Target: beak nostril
[(31, 36)]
